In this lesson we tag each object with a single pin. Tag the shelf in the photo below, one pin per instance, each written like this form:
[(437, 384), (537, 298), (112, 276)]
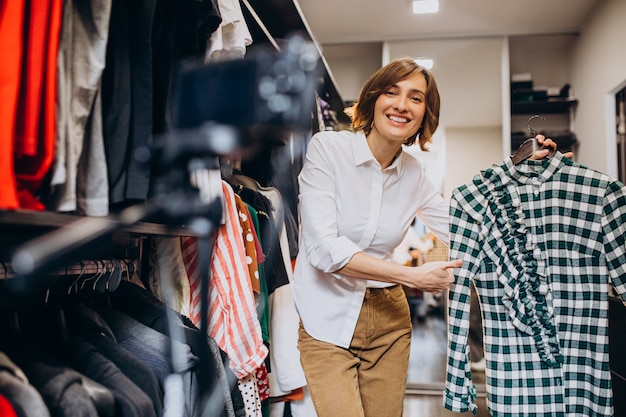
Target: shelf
[(550, 106), (46, 220)]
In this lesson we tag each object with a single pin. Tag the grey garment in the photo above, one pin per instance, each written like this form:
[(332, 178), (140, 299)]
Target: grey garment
[(131, 401), (223, 382), (92, 185), (15, 387), (90, 326), (125, 326), (64, 393), (80, 64)]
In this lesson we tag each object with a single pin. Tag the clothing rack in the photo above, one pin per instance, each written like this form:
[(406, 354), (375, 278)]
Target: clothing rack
[(84, 267)]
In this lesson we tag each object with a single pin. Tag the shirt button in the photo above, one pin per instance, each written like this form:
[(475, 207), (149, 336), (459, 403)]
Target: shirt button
[(536, 192), (559, 382)]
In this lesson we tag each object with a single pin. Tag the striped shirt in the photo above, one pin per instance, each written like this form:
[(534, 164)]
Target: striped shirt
[(233, 320), (541, 241)]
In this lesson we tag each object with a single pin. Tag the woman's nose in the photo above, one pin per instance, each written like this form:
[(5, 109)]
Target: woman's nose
[(401, 103)]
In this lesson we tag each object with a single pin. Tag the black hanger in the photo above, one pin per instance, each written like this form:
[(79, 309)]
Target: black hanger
[(530, 145)]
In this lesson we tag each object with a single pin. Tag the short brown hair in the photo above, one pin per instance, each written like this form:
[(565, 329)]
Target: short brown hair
[(362, 112)]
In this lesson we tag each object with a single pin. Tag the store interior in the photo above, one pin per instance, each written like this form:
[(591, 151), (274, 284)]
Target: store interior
[(562, 77)]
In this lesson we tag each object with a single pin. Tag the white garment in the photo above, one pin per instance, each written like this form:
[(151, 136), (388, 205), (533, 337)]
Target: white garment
[(232, 36), (250, 394), (348, 204), (286, 373)]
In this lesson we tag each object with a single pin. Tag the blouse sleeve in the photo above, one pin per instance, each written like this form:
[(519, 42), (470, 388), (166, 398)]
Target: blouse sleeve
[(460, 393), (614, 226), (325, 249)]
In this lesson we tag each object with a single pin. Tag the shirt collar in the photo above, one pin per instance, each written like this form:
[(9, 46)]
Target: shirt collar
[(535, 171), (361, 150), (362, 154)]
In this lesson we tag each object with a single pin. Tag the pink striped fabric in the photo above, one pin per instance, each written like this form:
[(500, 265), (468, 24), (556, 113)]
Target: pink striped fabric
[(233, 320)]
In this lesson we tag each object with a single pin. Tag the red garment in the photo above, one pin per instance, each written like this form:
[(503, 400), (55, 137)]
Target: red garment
[(11, 23), (263, 382), (27, 128), (35, 133), (6, 408)]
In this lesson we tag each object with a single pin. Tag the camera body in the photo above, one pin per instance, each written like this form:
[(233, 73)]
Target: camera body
[(267, 89)]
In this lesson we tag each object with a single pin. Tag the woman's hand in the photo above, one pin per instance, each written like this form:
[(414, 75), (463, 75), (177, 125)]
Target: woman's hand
[(547, 143), (434, 277)]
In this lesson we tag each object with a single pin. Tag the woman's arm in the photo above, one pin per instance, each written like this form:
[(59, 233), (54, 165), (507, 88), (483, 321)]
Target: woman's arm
[(431, 277)]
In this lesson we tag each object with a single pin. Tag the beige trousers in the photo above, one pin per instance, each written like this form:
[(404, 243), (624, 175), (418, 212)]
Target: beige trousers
[(369, 378)]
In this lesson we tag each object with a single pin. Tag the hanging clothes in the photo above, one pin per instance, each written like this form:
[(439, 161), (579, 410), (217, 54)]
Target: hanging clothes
[(35, 128), (79, 173), (285, 371), (145, 308), (233, 321), (541, 241), (232, 37), (166, 252), (30, 33), (147, 40), (11, 36), (22, 397)]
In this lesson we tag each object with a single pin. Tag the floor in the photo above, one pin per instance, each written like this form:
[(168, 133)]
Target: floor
[(427, 373)]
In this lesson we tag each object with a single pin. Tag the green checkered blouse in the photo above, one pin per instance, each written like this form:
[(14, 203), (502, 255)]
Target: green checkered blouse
[(541, 241)]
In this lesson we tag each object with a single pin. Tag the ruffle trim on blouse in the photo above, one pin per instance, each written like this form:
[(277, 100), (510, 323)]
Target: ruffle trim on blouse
[(526, 293)]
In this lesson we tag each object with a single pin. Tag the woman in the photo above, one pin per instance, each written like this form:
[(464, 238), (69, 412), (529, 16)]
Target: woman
[(359, 192)]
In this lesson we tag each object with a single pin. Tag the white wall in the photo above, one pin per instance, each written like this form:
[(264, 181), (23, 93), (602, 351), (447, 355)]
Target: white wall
[(598, 69), (470, 150)]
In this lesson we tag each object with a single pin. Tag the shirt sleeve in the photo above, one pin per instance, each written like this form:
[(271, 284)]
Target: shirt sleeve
[(614, 226), (434, 213), (460, 393), (325, 249)]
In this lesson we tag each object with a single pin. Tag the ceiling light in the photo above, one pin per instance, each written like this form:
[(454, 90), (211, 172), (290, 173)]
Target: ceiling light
[(425, 6)]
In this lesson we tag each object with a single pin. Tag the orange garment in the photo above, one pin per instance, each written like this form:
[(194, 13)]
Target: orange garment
[(249, 244), (295, 395)]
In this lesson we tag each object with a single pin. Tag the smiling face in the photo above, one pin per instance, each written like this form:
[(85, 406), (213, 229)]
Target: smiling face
[(398, 76), (399, 110)]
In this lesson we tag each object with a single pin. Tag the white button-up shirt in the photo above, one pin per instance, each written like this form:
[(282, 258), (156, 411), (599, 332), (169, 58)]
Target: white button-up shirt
[(349, 204)]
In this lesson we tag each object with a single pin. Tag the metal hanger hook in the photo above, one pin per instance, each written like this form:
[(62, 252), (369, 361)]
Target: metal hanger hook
[(533, 132)]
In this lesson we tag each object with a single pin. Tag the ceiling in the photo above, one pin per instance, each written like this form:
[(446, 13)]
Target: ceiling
[(350, 21)]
